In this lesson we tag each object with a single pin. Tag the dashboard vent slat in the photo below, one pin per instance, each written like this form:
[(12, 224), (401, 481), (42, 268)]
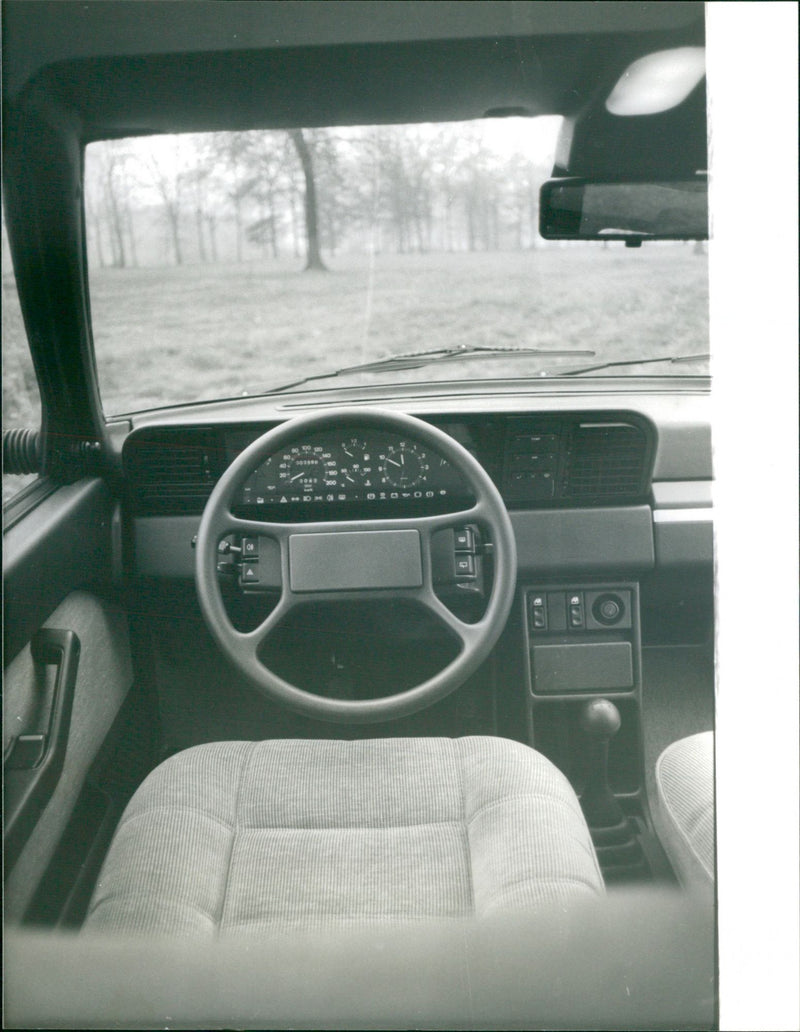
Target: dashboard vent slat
[(171, 473), (605, 462)]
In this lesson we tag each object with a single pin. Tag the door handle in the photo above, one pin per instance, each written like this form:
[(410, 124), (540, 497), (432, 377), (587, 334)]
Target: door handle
[(34, 763)]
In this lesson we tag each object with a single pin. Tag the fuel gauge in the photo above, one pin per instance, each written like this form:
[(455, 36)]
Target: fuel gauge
[(354, 448), (357, 466)]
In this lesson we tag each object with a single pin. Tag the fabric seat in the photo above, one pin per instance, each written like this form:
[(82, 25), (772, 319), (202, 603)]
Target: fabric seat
[(685, 784), (240, 837)]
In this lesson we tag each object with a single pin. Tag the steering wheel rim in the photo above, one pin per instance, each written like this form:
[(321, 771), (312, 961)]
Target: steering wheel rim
[(241, 648)]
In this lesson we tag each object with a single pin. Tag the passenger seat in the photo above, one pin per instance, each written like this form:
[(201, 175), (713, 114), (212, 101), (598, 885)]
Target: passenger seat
[(685, 784)]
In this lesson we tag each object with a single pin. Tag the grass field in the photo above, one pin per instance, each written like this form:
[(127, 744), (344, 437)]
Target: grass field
[(177, 334)]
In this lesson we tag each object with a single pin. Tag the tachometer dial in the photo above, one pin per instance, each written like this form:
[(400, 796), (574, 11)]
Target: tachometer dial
[(404, 465)]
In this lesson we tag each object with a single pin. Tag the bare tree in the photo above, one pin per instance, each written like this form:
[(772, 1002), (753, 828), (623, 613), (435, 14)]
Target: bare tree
[(95, 224), (111, 208), (312, 191), (169, 185), (267, 161), (196, 180), (211, 228), (402, 182), (231, 155), (313, 256), (334, 179)]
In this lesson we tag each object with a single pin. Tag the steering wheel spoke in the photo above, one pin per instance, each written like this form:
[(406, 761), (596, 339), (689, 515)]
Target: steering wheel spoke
[(230, 524), (251, 641), (466, 633), (476, 513)]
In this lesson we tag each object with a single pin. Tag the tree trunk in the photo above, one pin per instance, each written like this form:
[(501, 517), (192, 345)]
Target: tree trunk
[(115, 226), (97, 226), (131, 235), (237, 216), (174, 226), (201, 244), (313, 256), (295, 234), (273, 224), (98, 235), (211, 223)]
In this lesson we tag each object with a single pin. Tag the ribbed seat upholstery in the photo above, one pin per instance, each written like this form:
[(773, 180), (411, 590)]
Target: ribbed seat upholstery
[(685, 783), (237, 837)]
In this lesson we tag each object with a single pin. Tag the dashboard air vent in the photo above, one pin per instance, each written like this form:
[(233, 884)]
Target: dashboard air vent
[(171, 473), (605, 461)]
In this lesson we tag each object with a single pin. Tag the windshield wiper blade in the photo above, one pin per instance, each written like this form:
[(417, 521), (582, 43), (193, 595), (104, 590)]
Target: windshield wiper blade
[(672, 359), (417, 359)]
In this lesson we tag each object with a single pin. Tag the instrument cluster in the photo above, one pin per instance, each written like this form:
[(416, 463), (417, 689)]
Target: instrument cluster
[(366, 466)]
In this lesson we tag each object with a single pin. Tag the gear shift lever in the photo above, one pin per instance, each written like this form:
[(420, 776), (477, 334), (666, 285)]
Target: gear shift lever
[(600, 720)]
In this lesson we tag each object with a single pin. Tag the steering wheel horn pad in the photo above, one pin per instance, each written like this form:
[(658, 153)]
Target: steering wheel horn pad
[(334, 560)]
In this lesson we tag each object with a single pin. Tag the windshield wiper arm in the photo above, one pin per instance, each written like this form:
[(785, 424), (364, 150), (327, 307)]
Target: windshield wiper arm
[(672, 359), (417, 359)]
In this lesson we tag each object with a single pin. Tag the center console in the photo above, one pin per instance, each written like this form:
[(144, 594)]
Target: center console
[(583, 644)]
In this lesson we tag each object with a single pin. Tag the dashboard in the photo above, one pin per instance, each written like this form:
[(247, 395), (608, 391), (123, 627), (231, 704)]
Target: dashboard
[(540, 461), (611, 491)]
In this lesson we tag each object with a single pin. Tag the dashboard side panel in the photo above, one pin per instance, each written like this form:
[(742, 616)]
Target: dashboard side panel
[(561, 543), (163, 545), (684, 542)]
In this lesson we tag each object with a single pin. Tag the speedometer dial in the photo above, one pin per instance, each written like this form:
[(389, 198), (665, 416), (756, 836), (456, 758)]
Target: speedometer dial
[(306, 472), (404, 465), (306, 468)]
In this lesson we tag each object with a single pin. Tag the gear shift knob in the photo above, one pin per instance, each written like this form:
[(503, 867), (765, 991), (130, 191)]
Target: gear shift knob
[(600, 718)]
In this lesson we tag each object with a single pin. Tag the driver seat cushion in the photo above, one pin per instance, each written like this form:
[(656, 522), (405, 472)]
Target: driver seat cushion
[(240, 837)]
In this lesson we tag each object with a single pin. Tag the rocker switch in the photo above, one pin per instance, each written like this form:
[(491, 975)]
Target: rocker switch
[(538, 613), (464, 541), (464, 553), (465, 565), (249, 574), (575, 609)]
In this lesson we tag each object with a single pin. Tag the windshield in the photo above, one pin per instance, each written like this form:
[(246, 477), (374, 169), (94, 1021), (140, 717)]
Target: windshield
[(233, 263)]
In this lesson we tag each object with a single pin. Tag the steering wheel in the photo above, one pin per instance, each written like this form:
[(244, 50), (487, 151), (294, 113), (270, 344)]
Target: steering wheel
[(335, 560)]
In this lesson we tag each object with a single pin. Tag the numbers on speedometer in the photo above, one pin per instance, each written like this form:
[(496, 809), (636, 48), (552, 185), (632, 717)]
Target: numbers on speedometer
[(404, 465), (307, 468)]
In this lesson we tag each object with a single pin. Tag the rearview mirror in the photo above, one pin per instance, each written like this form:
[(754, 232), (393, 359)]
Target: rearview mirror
[(583, 209)]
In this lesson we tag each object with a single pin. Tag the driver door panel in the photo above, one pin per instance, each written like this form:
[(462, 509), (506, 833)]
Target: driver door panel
[(67, 673)]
